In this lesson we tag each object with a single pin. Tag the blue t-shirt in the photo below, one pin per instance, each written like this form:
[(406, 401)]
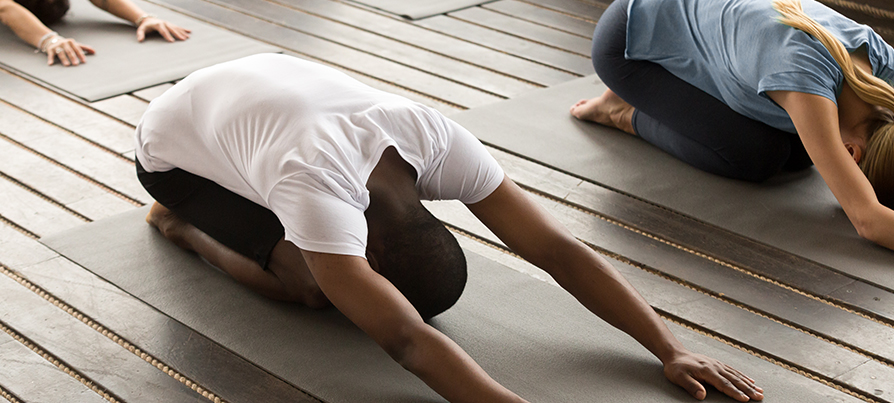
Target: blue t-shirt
[(736, 50)]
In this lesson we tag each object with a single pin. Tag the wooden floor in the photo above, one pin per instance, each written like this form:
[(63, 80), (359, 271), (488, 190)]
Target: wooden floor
[(65, 162)]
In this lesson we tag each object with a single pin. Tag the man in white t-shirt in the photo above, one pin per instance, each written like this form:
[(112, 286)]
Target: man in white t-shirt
[(305, 185)]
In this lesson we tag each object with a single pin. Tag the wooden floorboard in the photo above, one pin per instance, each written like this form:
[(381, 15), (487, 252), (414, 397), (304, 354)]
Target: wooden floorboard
[(64, 162), (565, 61), (544, 16), (72, 152), (584, 10), (386, 48), (524, 29), (31, 378), (58, 184), (126, 108), (339, 55), (91, 353), (65, 113), (404, 31), (148, 94)]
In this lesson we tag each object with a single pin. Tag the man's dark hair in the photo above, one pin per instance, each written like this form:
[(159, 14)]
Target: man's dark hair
[(424, 261), (47, 11)]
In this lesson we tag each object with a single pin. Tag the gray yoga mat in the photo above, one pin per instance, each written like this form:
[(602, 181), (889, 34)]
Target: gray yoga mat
[(121, 64), (794, 212), (418, 9), (531, 336)]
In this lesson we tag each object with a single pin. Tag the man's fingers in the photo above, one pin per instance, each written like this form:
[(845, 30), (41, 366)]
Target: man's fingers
[(141, 33), (725, 385), (693, 386), (742, 383)]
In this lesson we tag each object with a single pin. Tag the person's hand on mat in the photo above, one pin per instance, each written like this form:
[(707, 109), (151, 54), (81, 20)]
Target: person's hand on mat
[(68, 51), (166, 29), (688, 370)]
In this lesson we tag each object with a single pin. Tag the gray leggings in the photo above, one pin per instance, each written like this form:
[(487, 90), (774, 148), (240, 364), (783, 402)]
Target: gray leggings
[(685, 121)]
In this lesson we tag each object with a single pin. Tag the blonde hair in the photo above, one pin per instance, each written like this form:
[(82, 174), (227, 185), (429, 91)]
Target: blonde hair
[(877, 162)]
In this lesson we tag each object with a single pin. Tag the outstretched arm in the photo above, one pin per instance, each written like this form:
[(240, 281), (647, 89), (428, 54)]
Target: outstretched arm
[(392, 322), (816, 119), (145, 23), (535, 235), (27, 27)]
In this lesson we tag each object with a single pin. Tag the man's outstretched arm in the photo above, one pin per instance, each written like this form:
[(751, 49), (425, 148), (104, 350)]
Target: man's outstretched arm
[(535, 235), (380, 310)]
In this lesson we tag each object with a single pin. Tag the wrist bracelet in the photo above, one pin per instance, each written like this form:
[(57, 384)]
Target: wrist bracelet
[(140, 20), (43, 39)]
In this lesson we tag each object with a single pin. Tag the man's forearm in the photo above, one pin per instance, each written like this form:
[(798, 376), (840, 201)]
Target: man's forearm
[(606, 293), (448, 370)]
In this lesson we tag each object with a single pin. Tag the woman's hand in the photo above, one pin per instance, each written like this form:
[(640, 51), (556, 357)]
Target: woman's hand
[(688, 370), (69, 51), (166, 29)]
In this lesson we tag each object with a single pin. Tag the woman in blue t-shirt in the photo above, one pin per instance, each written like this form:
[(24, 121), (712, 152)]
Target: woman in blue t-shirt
[(746, 88)]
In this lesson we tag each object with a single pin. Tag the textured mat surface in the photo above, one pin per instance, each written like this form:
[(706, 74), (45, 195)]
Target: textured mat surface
[(121, 64), (794, 212), (531, 336), (418, 9)]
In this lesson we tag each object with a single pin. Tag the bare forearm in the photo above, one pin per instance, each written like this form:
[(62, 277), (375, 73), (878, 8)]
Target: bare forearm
[(123, 9), (448, 370), (24, 24), (879, 226), (605, 292)]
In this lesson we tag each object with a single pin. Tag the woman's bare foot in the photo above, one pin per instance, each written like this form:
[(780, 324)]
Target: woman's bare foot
[(608, 109), (170, 226)]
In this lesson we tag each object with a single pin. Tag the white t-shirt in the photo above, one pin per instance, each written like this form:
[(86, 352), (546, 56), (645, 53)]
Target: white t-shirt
[(301, 139)]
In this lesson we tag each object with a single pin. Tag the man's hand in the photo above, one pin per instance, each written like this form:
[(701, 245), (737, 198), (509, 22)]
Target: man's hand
[(688, 369)]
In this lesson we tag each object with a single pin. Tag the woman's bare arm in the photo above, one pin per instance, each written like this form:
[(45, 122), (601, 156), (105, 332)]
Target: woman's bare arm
[(127, 10), (816, 119), (24, 24)]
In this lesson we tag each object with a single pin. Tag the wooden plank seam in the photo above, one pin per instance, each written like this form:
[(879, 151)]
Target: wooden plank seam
[(794, 367), (297, 29), (516, 36), (409, 44), (98, 327), (6, 394), (538, 23), (77, 173), (838, 385), (307, 56), (46, 198), (563, 12), (18, 227), (835, 303), (62, 365), (69, 131)]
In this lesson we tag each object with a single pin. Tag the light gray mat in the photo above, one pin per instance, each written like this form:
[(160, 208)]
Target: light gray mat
[(529, 335), (121, 64), (794, 212), (418, 9)]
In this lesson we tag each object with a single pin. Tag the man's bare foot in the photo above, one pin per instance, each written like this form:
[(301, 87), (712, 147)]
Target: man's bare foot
[(608, 109), (170, 226)]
